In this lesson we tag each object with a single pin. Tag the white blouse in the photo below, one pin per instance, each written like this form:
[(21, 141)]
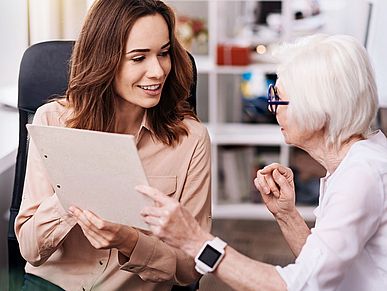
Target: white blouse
[(347, 249)]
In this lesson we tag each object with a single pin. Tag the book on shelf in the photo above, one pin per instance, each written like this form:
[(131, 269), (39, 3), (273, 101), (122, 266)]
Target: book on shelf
[(236, 172)]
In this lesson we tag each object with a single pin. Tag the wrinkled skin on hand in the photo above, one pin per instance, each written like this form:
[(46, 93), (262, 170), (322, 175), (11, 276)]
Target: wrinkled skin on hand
[(172, 223), (276, 185)]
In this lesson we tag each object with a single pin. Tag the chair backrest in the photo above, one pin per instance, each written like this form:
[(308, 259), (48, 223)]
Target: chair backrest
[(43, 74)]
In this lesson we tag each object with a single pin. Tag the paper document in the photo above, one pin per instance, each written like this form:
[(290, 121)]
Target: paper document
[(94, 170)]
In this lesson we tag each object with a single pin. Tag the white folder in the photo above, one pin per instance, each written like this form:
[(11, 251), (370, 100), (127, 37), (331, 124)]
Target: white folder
[(94, 170)]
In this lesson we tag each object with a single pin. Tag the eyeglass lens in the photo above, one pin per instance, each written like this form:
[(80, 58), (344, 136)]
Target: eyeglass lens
[(273, 97), (273, 94)]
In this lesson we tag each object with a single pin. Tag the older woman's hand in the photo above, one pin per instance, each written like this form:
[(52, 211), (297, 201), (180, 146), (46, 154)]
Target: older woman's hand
[(276, 185), (173, 223)]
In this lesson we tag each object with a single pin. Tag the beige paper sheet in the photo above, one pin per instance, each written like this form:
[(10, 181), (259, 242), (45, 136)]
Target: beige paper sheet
[(94, 170)]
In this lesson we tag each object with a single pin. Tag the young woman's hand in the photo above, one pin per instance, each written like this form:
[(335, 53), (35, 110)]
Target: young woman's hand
[(276, 185), (103, 234)]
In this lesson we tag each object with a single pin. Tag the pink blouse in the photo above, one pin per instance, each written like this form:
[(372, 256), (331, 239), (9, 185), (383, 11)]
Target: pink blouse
[(55, 247)]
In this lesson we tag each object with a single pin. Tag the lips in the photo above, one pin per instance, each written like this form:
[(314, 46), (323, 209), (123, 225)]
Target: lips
[(150, 87), (153, 90)]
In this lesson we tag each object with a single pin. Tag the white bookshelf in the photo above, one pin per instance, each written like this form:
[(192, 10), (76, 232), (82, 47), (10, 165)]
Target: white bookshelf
[(204, 64), (254, 211), (249, 134), (232, 133)]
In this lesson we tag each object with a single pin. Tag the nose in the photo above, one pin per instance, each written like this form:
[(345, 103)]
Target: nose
[(155, 69)]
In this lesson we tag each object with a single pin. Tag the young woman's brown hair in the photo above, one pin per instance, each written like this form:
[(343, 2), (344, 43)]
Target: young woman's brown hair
[(96, 58)]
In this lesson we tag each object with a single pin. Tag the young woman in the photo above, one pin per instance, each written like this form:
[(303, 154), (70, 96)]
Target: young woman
[(129, 75)]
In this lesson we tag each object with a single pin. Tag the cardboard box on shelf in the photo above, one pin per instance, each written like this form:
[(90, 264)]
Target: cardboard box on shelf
[(233, 55)]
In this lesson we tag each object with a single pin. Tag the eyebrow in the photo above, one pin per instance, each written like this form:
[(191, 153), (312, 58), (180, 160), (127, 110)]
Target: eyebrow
[(147, 50)]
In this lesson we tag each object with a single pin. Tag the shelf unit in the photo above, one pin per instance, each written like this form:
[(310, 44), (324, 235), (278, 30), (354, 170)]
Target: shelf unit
[(254, 211), (210, 104)]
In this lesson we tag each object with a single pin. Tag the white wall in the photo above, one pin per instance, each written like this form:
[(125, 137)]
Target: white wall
[(344, 17), (55, 19), (89, 3), (377, 47), (14, 39)]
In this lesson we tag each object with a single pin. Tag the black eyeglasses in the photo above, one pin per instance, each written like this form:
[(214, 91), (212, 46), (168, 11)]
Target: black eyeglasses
[(274, 100)]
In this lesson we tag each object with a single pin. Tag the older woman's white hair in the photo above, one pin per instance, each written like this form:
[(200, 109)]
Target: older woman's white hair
[(331, 86)]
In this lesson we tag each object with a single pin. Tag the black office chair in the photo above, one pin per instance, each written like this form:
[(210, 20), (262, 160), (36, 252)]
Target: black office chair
[(43, 74)]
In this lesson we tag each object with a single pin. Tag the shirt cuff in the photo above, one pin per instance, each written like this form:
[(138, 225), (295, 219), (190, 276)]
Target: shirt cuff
[(61, 212), (301, 274), (141, 255)]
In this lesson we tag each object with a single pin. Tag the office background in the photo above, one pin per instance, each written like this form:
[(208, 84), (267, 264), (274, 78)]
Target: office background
[(227, 87)]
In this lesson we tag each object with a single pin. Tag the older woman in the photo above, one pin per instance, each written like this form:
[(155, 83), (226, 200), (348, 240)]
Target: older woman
[(325, 101)]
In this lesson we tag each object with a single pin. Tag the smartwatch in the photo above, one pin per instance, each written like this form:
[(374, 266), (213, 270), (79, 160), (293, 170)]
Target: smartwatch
[(210, 255)]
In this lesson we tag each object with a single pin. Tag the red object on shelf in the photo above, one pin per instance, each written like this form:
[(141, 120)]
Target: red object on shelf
[(233, 55)]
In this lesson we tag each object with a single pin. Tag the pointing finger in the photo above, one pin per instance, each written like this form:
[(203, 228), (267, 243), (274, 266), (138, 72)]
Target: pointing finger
[(154, 194), (152, 211)]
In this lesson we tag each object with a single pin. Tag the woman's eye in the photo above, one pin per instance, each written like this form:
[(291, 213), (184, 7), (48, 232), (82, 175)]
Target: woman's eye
[(138, 59), (164, 53)]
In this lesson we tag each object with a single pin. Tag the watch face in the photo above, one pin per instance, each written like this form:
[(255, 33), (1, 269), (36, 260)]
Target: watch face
[(209, 256)]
